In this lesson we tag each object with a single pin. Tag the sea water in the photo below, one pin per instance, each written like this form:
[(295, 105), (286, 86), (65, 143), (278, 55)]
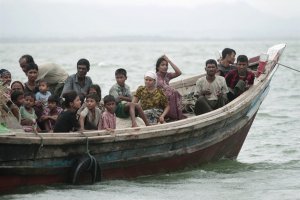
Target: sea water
[(268, 166)]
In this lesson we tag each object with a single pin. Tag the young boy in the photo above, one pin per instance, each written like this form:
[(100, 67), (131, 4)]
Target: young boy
[(43, 94), (51, 113), (17, 97), (108, 119), (122, 95), (90, 116), (27, 113)]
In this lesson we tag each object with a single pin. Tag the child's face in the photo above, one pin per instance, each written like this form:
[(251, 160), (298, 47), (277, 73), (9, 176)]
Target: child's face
[(76, 104), (91, 103), (29, 102), (20, 100), (51, 105), (163, 67), (32, 74), (120, 78), (92, 91), (110, 106), (16, 87), (43, 87)]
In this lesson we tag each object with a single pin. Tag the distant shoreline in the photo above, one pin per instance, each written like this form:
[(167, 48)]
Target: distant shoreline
[(131, 39)]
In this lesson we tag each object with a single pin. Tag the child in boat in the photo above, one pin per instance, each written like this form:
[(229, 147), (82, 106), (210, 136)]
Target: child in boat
[(96, 90), (90, 116), (27, 113), (67, 120), (43, 94), (108, 119), (51, 113), (17, 98), (122, 95), (163, 79)]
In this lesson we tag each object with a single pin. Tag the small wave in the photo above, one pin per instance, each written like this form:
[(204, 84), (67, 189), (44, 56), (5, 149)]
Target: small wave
[(269, 115)]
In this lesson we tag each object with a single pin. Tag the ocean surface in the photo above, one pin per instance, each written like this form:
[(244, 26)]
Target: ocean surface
[(268, 166)]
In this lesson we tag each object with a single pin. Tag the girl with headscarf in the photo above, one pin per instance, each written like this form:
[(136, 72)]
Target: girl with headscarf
[(152, 99)]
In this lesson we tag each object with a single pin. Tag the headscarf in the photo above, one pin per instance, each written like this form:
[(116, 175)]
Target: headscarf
[(151, 74)]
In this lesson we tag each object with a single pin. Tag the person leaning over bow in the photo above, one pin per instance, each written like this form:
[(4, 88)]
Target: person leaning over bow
[(54, 74), (211, 90), (152, 99), (240, 79), (79, 82)]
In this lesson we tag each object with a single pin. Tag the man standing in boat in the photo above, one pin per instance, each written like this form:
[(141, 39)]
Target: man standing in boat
[(52, 73), (211, 90), (226, 62), (240, 79)]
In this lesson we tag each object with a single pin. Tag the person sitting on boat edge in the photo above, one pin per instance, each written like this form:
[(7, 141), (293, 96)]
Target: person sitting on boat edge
[(122, 95), (226, 63), (79, 82), (108, 119), (163, 80), (53, 73), (211, 90), (240, 79), (67, 120), (152, 99)]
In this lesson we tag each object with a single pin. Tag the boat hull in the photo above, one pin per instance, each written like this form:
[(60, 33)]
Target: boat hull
[(228, 148)]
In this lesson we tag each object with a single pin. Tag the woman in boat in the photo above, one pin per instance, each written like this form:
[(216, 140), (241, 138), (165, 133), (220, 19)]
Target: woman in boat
[(67, 120), (17, 86), (152, 99), (163, 79)]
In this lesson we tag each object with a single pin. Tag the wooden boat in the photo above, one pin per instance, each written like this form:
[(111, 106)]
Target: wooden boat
[(45, 158)]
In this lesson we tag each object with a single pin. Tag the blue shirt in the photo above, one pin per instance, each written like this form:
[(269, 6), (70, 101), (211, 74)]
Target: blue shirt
[(72, 84)]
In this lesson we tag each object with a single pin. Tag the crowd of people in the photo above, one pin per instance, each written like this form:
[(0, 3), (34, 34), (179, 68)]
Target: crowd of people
[(53, 101)]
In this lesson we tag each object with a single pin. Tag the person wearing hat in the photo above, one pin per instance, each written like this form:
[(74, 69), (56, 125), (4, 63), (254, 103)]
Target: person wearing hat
[(152, 99)]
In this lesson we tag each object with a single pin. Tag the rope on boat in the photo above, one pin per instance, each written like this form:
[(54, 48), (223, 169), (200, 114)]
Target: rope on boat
[(87, 163), (41, 144), (288, 67)]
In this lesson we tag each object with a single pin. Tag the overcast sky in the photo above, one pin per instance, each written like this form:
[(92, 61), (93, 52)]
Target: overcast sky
[(222, 19)]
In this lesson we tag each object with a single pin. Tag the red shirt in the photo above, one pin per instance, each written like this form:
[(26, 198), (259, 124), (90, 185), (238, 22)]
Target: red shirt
[(233, 77)]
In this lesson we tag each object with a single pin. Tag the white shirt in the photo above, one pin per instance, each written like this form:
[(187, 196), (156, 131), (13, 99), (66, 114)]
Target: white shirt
[(218, 85)]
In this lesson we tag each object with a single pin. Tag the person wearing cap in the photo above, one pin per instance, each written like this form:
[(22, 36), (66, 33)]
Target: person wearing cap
[(152, 99)]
